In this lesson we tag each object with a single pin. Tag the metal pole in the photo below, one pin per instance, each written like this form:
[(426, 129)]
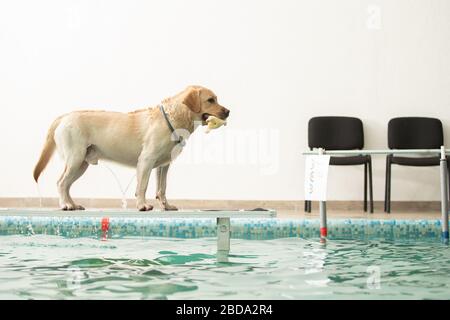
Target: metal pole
[(223, 239), (323, 214), (323, 220), (444, 195)]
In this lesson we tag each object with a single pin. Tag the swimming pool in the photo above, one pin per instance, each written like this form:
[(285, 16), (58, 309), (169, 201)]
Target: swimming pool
[(63, 258)]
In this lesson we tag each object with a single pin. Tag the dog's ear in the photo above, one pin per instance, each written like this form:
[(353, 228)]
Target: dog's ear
[(192, 100)]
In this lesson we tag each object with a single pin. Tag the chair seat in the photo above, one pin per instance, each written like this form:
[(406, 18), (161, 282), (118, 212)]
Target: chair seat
[(416, 162), (349, 161)]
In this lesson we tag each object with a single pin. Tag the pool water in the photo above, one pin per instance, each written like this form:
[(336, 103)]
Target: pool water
[(55, 267)]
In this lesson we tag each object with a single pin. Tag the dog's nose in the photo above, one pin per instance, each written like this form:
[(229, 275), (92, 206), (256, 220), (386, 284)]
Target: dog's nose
[(227, 112)]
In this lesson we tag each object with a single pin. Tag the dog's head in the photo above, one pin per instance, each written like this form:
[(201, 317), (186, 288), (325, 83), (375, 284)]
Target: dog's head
[(203, 102)]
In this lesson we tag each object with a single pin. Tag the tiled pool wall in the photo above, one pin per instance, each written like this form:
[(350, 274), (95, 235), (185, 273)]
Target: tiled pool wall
[(262, 229)]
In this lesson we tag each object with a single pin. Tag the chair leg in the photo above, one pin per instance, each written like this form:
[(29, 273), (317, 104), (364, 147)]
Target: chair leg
[(386, 183), (370, 186), (365, 187), (309, 206), (389, 178)]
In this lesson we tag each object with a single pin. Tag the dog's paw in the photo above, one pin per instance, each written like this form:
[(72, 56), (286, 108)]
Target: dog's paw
[(68, 207), (145, 207), (71, 207), (169, 207)]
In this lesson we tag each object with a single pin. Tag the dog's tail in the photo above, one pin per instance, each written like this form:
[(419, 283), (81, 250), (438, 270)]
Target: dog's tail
[(47, 151)]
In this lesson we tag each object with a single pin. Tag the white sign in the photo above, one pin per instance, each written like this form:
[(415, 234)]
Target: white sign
[(316, 176)]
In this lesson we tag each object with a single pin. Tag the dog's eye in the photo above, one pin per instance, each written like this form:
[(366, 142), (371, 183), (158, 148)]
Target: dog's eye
[(211, 100)]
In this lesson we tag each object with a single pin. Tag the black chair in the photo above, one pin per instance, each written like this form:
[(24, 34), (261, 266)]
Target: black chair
[(411, 133), (341, 133)]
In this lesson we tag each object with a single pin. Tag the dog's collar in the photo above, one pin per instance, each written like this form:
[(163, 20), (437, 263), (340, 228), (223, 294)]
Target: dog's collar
[(178, 138)]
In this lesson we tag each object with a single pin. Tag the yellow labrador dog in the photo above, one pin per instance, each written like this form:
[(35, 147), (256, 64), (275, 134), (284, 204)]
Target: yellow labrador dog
[(144, 139)]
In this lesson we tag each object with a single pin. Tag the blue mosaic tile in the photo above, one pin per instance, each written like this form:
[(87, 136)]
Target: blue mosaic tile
[(263, 229)]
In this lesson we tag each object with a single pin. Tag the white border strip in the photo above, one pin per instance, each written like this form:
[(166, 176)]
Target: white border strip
[(45, 212)]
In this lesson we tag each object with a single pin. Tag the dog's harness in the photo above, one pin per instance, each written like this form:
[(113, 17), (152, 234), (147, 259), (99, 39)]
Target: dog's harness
[(177, 138)]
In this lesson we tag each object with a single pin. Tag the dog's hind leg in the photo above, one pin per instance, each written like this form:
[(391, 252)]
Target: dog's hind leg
[(75, 168)]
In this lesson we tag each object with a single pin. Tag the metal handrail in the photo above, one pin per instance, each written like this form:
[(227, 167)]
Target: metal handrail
[(443, 177), (380, 151)]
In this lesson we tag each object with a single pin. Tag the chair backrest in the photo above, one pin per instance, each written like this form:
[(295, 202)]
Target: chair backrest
[(335, 133), (415, 133)]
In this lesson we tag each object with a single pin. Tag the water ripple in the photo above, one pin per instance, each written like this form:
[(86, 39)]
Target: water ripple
[(52, 267)]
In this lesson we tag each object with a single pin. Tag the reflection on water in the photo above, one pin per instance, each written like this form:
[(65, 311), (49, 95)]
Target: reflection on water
[(52, 267)]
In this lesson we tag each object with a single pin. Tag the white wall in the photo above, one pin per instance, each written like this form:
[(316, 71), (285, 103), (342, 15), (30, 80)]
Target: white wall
[(274, 63)]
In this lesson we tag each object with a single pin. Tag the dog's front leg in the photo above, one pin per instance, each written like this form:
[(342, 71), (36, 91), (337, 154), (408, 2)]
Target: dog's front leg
[(144, 168), (161, 183)]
